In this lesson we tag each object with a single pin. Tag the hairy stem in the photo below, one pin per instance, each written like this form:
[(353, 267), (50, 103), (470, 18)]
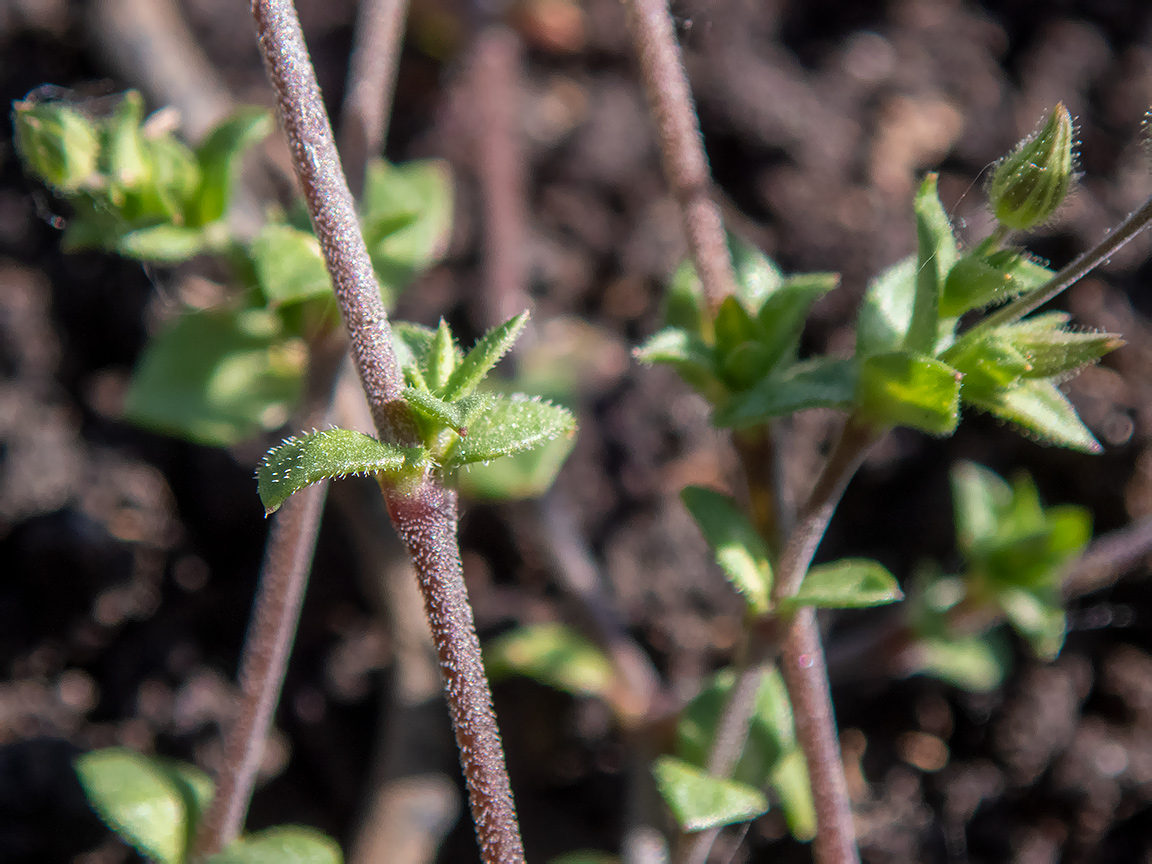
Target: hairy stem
[(424, 517), (681, 145), (1069, 275), (371, 82), (426, 520)]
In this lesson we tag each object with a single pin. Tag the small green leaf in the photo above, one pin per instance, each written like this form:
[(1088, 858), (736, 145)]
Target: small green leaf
[(57, 142), (979, 497), (443, 356), (700, 801), (219, 159), (174, 182), (407, 216), (1037, 619), (902, 389), (934, 258), (973, 663), (484, 355), (757, 276), (553, 655), (139, 799), (289, 266), (123, 155), (217, 377), (195, 787), (981, 279), (734, 326), (685, 352), (1038, 406), (301, 461), (412, 343), (988, 364), (455, 415), (851, 583), (783, 314), (285, 844), (739, 550), (586, 856), (528, 474), (512, 424), (886, 311), (822, 382), (684, 303), (792, 786), (167, 244), (1051, 351)]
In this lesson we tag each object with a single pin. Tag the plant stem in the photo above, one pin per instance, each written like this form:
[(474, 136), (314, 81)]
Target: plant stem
[(371, 83), (425, 516), (681, 145), (267, 644), (1080, 267)]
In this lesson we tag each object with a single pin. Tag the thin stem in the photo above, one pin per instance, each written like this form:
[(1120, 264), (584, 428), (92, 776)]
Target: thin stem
[(681, 145), (425, 516), (267, 644), (371, 84), (1080, 267)]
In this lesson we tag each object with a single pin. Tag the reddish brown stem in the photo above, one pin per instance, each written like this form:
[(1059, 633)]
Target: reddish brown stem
[(681, 145)]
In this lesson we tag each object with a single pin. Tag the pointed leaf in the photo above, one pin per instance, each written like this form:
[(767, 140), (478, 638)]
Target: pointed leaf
[(982, 279), (167, 244), (57, 142), (123, 156), (979, 497), (987, 363), (219, 158), (935, 256), (553, 655), (687, 353), (973, 663), (851, 583), (455, 415), (1038, 620), (412, 342), (822, 382), (1038, 406), (217, 377), (734, 326), (757, 276), (783, 314), (1056, 351), (300, 461), (700, 801), (902, 389), (443, 355), (794, 789), (285, 844), (138, 799), (174, 182), (512, 424), (484, 355), (289, 265), (739, 550), (886, 311), (528, 474)]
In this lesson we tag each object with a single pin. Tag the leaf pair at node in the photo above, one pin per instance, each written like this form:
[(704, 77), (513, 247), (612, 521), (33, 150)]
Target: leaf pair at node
[(156, 805), (455, 424)]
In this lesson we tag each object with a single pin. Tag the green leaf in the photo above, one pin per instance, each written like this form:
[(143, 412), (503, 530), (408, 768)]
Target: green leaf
[(902, 389), (285, 844), (988, 364), (739, 550), (851, 583), (528, 474), (886, 311), (195, 787), (58, 143), (174, 182), (412, 343), (301, 461), (1053, 351), (757, 276), (217, 377), (442, 358), (822, 382), (484, 355), (979, 497), (973, 663), (553, 655), (512, 424), (1039, 620), (123, 155), (455, 415), (684, 303), (167, 244), (289, 266), (981, 279), (783, 314), (936, 253), (700, 801), (688, 354), (139, 799), (407, 217), (734, 326), (1038, 407), (586, 856), (790, 781), (219, 159)]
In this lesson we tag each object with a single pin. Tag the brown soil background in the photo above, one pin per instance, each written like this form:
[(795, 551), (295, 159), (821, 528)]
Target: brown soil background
[(128, 560)]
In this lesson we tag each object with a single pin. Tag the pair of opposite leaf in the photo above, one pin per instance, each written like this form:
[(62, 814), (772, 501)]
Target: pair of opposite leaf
[(455, 425)]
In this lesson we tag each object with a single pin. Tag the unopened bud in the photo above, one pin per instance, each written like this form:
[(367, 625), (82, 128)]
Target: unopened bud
[(58, 143), (1031, 182)]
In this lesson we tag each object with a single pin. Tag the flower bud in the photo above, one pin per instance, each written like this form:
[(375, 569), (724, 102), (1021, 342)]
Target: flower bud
[(58, 143), (1030, 183)]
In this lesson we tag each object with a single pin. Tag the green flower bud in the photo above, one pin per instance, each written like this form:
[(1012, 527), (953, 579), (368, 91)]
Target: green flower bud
[(1030, 183), (58, 143)]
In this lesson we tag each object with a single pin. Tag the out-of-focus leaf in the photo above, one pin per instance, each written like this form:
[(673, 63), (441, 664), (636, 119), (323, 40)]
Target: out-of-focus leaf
[(168, 244), (886, 311), (219, 159), (700, 801), (553, 655), (1037, 406), (851, 583), (739, 550), (902, 389), (822, 382), (285, 844), (289, 266)]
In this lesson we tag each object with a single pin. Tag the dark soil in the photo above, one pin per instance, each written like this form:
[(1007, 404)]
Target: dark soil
[(128, 560)]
